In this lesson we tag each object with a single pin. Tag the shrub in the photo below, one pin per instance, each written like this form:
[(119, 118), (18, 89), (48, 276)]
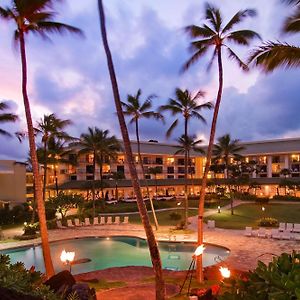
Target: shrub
[(286, 198), (280, 279), (245, 196), (29, 229), (268, 222), (175, 216), (262, 200)]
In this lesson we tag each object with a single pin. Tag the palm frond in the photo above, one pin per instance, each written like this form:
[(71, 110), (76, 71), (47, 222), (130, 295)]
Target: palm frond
[(56, 27), (292, 24), (4, 132), (232, 55), (195, 57), (213, 15), (197, 31), (171, 128), (242, 37)]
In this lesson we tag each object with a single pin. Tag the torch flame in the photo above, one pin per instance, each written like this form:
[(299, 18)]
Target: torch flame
[(67, 257), (200, 249), (225, 272)]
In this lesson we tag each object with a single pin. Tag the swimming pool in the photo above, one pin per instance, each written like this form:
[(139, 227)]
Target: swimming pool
[(116, 251)]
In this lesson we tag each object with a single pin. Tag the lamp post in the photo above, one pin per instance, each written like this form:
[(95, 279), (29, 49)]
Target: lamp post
[(219, 209), (67, 258)]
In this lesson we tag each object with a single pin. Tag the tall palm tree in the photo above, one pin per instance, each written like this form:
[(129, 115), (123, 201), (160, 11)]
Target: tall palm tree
[(51, 127), (137, 110), (152, 244), (185, 104), (6, 117), (216, 36), (225, 149), (34, 16), (272, 55), (154, 171)]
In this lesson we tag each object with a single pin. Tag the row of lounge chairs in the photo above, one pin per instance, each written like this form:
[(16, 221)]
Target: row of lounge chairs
[(289, 227), (274, 233), (103, 221)]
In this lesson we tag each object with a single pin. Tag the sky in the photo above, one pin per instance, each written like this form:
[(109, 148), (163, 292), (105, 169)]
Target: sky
[(68, 76)]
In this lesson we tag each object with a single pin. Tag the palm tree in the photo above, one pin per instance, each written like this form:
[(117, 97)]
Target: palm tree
[(186, 144), (6, 117), (34, 17), (272, 55), (215, 36), (154, 171), (116, 176), (51, 127), (152, 244), (185, 104), (225, 149), (137, 110)]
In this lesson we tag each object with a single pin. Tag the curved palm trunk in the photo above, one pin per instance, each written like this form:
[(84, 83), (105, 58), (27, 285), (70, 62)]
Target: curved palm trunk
[(35, 167), (199, 271), (45, 170), (186, 196), (143, 173), (152, 244)]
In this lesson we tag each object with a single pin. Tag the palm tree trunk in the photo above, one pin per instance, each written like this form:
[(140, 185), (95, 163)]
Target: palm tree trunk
[(33, 205), (152, 244), (56, 181), (101, 176), (35, 166), (93, 183), (143, 173), (186, 196), (199, 270), (45, 170)]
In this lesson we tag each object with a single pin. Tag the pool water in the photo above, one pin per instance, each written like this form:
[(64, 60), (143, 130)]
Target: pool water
[(117, 251)]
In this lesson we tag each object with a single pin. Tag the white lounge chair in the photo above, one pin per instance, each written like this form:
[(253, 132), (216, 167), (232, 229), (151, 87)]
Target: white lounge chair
[(59, 225), (211, 224), (286, 235), (275, 234), (77, 222), (87, 222), (126, 220), (296, 228), (109, 220), (289, 227), (248, 231), (117, 220), (281, 227), (70, 223), (102, 220), (262, 232), (96, 221), (297, 237)]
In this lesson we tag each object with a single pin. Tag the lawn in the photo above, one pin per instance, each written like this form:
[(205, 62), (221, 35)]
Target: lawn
[(249, 214)]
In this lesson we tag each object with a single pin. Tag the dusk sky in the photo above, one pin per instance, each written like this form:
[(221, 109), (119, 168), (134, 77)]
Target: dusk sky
[(69, 76)]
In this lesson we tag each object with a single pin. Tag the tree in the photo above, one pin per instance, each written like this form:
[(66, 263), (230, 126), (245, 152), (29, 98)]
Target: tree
[(137, 110), (6, 117), (34, 17), (225, 149), (216, 37), (62, 203), (116, 176), (185, 104), (153, 248), (272, 55), (50, 127), (154, 171)]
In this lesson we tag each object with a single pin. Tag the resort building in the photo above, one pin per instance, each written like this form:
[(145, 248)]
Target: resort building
[(268, 163)]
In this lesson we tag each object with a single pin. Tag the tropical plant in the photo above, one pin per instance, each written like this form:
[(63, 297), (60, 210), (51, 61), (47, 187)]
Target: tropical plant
[(137, 110), (6, 117), (187, 105), (116, 176), (215, 36), (152, 244), (36, 17), (225, 149), (51, 128), (154, 171), (272, 55)]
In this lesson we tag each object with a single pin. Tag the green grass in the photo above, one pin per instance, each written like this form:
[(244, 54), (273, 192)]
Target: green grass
[(102, 284), (249, 214)]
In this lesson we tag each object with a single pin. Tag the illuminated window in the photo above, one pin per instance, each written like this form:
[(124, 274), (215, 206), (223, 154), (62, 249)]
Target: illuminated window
[(89, 158), (295, 157), (170, 160)]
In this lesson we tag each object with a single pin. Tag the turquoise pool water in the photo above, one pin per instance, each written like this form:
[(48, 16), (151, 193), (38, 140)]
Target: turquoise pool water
[(117, 251)]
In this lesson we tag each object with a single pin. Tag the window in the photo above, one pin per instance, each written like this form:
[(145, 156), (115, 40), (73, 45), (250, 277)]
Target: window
[(180, 161), (191, 170), (89, 169), (276, 159), (180, 176), (147, 176), (89, 177), (73, 177), (295, 157), (170, 170), (146, 160), (159, 160), (72, 157), (181, 170), (120, 169), (170, 176), (170, 160), (89, 158)]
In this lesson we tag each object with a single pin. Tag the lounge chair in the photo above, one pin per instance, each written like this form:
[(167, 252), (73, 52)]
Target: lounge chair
[(70, 223), (87, 222), (109, 220), (96, 221), (281, 227), (211, 224), (117, 220), (289, 227), (297, 237), (261, 232), (248, 231), (275, 234), (286, 235), (126, 220), (102, 220), (59, 225), (296, 228), (77, 222)]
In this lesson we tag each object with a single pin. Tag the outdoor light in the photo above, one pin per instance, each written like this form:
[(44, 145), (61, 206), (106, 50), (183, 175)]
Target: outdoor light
[(179, 203), (225, 272), (199, 250), (67, 258), (263, 208), (219, 209), (25, 223)]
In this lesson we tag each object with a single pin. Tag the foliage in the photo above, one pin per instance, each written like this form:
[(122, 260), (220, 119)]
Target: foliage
[(29, 229), (175, 216), (64, 202), (27, 282), (268, 222), (279, 280), (262, 200), (286, 198), (6, 117), (18, 214)]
